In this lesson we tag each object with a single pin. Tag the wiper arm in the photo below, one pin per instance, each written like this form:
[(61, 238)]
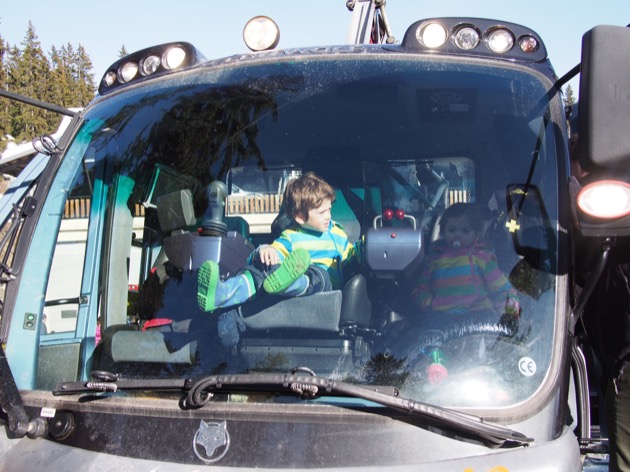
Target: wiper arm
[(312, 386), (309, 386)]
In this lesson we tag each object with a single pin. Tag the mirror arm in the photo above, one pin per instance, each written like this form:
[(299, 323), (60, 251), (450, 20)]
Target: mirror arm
[(593, 278)]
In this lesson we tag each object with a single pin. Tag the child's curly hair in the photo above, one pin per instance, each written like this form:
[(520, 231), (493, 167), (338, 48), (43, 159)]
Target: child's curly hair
[(305, 193)]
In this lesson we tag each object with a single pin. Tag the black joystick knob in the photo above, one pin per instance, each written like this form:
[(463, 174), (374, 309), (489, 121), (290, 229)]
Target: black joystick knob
[(213, 224)]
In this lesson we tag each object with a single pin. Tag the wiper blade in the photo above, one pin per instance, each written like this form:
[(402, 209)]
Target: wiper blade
[(312, 386), (308, 386), (110, 382)]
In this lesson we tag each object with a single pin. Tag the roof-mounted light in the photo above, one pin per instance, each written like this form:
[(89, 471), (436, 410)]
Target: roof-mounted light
[(466, 37), (149, 65), (174, 57), (261, 33), (128, 71), (475, 37), (606, 199), (500, 40), (528, 44), (110, 78), (150, 62), (432, 35)]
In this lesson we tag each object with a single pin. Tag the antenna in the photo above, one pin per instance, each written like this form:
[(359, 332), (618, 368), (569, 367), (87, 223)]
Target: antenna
[(369, 23)]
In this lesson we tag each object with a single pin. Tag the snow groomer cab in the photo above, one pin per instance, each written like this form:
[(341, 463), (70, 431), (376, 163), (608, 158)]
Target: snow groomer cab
[(179, 160)]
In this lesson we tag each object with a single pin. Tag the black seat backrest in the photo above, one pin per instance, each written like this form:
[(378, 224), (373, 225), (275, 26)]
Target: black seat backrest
[(356, 307)]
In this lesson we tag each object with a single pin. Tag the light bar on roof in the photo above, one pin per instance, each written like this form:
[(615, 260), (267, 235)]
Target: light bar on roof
[(475, 37), (151, 62)]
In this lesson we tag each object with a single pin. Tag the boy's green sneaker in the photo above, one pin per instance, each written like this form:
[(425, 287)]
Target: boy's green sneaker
[(212, 293), (293, 266), (207, 281)]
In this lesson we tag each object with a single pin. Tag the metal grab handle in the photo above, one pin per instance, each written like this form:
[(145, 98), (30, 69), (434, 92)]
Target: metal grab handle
[(378, 221)]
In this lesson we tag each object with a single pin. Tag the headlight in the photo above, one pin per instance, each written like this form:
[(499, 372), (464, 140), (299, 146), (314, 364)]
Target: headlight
[(149, 65), (261, 33), (128, 71), (528, 44), (466, 38), (500, 40), (432, 35), (174, 57), (110, 78), (605, 199)]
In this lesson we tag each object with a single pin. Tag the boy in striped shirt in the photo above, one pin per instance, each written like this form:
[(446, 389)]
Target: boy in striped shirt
[(307, 257)]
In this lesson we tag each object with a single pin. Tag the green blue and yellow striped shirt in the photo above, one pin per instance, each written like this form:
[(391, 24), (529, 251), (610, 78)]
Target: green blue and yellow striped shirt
[(330, 250)]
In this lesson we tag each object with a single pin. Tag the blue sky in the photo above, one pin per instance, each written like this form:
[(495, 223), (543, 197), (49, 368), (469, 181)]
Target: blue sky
[(215, 27)]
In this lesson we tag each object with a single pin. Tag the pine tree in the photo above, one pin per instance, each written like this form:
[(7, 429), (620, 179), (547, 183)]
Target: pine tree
[(570, 98), (14, 110), (65, 79), (569, 103), (66, 74), (4, 103), (122, 52), (29, 75), (85, 78), (72, 72), (61, 87)]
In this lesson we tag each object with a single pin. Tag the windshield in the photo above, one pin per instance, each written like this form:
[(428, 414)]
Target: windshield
[(445, 172)]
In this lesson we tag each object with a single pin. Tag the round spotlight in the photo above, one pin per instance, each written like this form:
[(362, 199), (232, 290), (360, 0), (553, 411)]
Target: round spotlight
[(110, 78), (174, 57), (500, 40), (128, 71), (605, 199), (466, 38), (528, 44), (432, 35), (149, 65), (261, 33)]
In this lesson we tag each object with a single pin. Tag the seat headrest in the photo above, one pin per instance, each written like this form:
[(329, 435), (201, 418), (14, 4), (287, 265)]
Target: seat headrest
[(175, 210)]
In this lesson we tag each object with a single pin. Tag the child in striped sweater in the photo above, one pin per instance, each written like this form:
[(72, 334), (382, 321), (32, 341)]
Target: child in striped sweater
[(460, 275)]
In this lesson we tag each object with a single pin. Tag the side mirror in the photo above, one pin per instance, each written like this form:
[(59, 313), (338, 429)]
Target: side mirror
[(604, 105), (533, 235)]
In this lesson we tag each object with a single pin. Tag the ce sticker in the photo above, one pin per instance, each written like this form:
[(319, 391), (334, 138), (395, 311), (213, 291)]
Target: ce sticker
[(527, 366)]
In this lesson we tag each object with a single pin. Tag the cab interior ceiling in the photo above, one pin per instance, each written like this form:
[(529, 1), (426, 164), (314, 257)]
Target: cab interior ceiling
[(479, 122)]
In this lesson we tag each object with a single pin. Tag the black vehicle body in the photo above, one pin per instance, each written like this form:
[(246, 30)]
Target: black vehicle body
[(112, 225)]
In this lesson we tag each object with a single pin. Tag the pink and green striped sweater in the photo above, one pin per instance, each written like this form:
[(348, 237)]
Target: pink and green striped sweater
[(460, 280)]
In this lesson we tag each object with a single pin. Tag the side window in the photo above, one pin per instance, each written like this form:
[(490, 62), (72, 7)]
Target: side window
[(255, 196), (64, 285)]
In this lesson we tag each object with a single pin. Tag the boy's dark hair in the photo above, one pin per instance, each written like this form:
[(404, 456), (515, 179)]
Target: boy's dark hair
[(469, 210), (305, 193)]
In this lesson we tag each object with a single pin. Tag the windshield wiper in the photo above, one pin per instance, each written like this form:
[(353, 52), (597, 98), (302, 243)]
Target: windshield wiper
[(308, 386)]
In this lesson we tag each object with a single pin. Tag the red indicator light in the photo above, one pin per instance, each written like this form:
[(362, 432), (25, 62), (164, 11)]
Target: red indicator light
[(400, 214), (388, 214)]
